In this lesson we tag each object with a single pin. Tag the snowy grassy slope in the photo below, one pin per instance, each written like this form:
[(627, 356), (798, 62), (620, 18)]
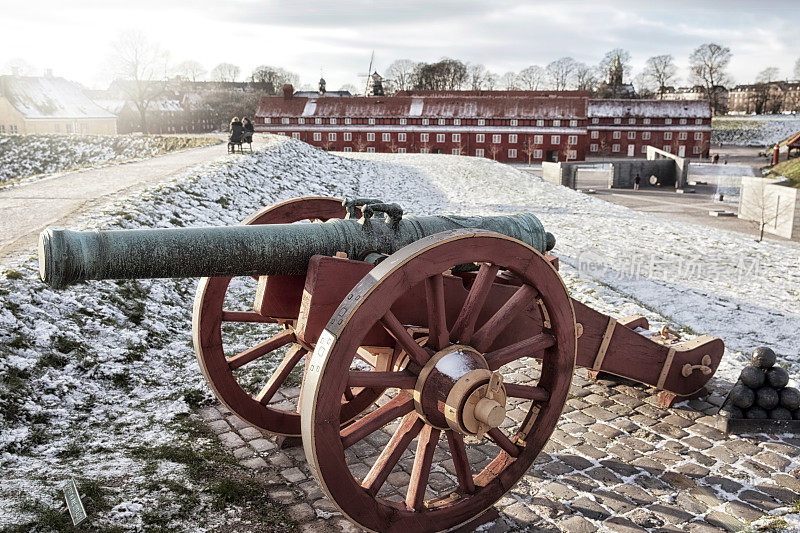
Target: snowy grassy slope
[(756, 130), (96, 381), (24, 156)]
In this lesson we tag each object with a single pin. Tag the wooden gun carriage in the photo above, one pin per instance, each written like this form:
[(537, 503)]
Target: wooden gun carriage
[(435, 340)]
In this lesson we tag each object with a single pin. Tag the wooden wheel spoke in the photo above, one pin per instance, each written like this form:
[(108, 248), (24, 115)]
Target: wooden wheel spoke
[(421, 471), (251, 354), (277, 378), (524, 348), (486, 335), (400, 405), (527, 392), (404, 339), (465, 323), (504, 442), (380, 380), (438, 336), (348, 394), (460, 461), (408, 430), (244, 316)]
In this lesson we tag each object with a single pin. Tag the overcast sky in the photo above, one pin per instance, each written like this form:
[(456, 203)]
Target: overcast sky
[(73, 37)]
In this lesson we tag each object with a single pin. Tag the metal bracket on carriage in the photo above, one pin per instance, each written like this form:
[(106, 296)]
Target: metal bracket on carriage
[(627, 348)]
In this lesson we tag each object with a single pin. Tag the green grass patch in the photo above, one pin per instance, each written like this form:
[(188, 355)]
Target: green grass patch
[(13, 274), (790, 169)]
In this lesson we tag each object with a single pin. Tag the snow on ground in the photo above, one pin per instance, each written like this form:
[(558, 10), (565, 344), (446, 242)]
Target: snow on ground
[(93, 375), (26, 156), (756, 130)]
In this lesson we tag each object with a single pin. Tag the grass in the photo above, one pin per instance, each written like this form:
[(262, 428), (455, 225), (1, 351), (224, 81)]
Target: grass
[(790, 169)]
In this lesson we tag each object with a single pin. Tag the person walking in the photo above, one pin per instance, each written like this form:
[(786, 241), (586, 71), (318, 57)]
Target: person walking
[(235, 129), (636, 181)]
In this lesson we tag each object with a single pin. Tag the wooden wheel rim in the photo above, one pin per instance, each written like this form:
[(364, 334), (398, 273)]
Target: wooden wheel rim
[(372, 297), (207, 327)]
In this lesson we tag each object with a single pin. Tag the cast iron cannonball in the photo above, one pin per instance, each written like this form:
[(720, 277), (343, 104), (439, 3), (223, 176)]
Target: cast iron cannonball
[(752, 377), (767, 398), (790, 398), (763, 357), (777, 377), (756, 413), (742, 396), (731, 411), (780, 413)]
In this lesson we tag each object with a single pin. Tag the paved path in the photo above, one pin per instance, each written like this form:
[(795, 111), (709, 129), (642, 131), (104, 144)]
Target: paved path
[(28, 208)]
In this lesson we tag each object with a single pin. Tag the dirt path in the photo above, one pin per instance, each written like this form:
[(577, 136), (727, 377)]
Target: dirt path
[(60, 200)]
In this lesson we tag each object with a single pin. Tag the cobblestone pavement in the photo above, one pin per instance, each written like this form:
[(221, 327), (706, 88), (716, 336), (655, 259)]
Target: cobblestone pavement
[(616, 462)]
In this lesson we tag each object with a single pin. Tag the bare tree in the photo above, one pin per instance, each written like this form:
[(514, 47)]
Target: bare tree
[(797, 69), (585, 77), (762, 203), (561, 72), (225, 72), (190, 70), (272, 79), (142, 67), (660, 71), (444, 75), (529, 147), (610, 58), (490, 81), (494, 149), (401, 72), (508, 81), (531, 78), (476, 76), (349, 87), (708, 64)]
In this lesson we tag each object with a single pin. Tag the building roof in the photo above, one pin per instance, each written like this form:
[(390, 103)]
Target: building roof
[(649, 108), (483, 92), (49, 98), (425, 106)]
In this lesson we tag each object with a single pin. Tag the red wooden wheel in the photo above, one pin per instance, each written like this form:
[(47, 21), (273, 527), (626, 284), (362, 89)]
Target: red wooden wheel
[(453, 383), (228, 376)]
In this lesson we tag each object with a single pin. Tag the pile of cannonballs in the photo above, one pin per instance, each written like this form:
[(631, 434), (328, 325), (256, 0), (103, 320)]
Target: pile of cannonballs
[(761, 392)]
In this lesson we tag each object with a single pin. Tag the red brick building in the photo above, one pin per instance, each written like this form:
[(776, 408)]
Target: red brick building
[(508, 126), (624, 128)]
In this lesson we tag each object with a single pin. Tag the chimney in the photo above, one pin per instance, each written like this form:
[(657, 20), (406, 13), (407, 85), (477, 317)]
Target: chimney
[(288, 91)]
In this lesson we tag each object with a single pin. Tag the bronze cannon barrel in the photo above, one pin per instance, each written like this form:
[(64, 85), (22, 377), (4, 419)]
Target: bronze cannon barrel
[(67, 256)]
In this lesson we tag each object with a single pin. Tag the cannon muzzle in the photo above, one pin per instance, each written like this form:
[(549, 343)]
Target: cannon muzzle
[(67, 257)]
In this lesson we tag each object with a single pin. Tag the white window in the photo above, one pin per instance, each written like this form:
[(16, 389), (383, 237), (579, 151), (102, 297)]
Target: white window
[(595, 134), (456, 122), (424, 151), (386, 137), (497, 138), (296, 135), (592, 147), (370, 136), (682, 136), (646, 135), (512, 138), (333, 121), (556, 123), (573, 123), (666, 148), (595, 120), (440, 137), (631, 121), (348, 149), (301, 121), (538, 139), (331, 136), (456, 137), (401, 150), (644, 149), (348, 120), (423, 137), (667, 121), (631, 135), (268, 120), (698, 136), (683, 121), (318, 136), (572, 139), (698, 121), (403, 122), (617, 135), (285, 120), (512, 153), (572, 154), (401, 137), (617, 121), (537, 154), (555, 139), (481, 122), (348, 136), (513, 122), (667, 135), (645, 121), (479, 152), (615, 148), (371, 121), (441, 122), (479, 138), (425, 121), (456, 151), (318, 121), (540, 123), (696, 150), (371, 149), (2, 128)]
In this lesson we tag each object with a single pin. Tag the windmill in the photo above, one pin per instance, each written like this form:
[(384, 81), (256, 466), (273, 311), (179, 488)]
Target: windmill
[(369, 73)]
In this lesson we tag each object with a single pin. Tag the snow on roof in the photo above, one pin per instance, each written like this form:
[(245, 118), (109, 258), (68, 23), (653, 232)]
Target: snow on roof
[(48, 97), (649, 108), (515, 106), (113, 106)]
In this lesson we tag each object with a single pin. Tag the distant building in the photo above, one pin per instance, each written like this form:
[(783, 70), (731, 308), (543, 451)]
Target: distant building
[(50, 105), (698, 92), (614, 86), (765, 98)]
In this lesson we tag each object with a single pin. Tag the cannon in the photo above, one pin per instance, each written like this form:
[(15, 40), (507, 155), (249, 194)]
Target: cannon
[(456, 332)]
